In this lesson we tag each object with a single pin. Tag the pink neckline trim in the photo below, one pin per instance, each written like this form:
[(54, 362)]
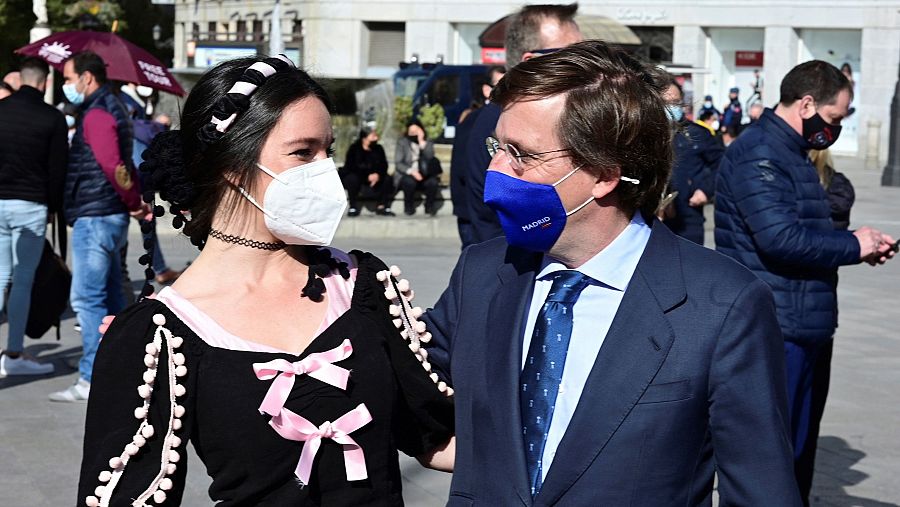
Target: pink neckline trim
[(339, 291)]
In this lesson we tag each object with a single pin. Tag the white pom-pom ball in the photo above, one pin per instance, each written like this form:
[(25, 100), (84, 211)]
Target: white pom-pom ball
[(115, 463), (170, 468), (151, 349), (147, 431), (174, 456), (176, 424), (449, 391), (179, 390), (105, 476), (144, 391), (425, 337), (180, 371), (159, 319), (149, 376), (397, 323), (395, 271), (404, 334), (165, 484), (179, 410), (413, 346), (442, 386), (389, 293), (417, 312), (131, 449), (394, 310), (100, 490), (420, 326), (178, 358), (177, 341), (426, 365), (159, 496), (175, 441), (92, 501), (403, 285), (382, 275), (423, 352), (139, 440), (149, 361), (434, 377), (140, 413)]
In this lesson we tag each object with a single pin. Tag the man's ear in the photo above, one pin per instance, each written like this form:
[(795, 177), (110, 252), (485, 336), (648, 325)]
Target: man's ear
[(604, 186), (807, 107), (528, 56)]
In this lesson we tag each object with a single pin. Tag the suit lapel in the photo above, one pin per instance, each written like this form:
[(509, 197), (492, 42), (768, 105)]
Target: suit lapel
[(508, 311), (632, 353)]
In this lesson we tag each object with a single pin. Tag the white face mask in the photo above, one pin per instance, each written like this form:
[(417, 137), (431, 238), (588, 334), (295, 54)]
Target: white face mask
[(715, 125), (304, 204)]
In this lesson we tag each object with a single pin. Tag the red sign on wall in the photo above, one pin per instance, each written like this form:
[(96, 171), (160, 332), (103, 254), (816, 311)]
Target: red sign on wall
[(748, 58), (493, 55)]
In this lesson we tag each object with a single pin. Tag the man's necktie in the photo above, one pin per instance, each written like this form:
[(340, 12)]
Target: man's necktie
[(542, 374)]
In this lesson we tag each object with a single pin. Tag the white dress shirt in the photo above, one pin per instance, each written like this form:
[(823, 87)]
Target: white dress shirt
[(610, 271)]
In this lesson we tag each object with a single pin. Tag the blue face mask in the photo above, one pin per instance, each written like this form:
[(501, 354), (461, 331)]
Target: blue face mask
[(531, 214), (72, 94), (675, 112)]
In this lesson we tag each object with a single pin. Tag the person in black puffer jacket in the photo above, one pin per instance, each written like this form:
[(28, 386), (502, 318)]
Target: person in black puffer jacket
[(773, 216)]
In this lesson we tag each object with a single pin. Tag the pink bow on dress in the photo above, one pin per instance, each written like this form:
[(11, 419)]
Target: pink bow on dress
[(316, 365), (294, 427)]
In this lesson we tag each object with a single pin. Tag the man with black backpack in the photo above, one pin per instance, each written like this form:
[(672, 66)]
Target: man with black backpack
[(33, 151)]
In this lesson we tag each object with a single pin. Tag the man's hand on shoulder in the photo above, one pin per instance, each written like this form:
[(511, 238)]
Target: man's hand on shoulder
[(699, 198)]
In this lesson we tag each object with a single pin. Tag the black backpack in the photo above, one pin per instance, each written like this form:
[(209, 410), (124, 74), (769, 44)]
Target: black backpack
[(52, 281)]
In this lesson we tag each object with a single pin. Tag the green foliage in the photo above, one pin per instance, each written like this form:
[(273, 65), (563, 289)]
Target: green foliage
[(433, 119), (403, 111), (16, 19), (64, 15)]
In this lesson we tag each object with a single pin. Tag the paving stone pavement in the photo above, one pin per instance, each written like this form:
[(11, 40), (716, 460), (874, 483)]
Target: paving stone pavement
[(859, 450)]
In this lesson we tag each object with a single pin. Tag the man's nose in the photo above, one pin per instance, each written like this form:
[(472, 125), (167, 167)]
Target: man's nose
[(500, 163)]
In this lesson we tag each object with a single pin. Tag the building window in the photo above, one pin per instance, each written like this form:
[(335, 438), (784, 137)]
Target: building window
[(195, 31), (297, 30), (211, 30), (387, 43), (242, 30), (257, 30), (656, 43)]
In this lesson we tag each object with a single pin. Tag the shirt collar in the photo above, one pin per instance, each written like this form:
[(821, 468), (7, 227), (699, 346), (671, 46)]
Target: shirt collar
[(614, 265)]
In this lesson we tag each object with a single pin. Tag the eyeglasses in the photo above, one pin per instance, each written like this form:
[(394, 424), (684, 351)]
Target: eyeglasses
[(513, 154)]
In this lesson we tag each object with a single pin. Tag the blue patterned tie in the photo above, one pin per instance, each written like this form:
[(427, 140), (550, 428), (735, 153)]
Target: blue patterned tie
[(544, 365)]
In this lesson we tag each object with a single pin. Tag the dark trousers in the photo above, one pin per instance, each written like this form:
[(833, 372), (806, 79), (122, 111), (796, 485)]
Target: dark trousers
[(808, 376), (383, 191), (428, 186)]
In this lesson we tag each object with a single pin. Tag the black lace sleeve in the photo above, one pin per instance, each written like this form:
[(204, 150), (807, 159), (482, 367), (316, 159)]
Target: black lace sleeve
[(139, 412), (425, 413)]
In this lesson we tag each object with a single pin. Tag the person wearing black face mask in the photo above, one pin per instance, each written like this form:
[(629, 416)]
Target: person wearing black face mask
[(773, 216), (417, 169)]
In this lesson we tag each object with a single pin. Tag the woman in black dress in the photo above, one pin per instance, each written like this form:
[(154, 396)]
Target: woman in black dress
[(366, 164), (295, 370)]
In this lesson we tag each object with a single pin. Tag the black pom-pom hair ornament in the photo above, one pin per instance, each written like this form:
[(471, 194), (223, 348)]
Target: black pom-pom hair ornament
[(167, 158)]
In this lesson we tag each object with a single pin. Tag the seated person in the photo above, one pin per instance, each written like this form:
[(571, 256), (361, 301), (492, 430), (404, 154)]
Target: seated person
[(367, 164), (417, 168)]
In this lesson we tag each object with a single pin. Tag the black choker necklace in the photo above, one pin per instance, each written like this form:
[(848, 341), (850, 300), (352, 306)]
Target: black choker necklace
[(236, 240)]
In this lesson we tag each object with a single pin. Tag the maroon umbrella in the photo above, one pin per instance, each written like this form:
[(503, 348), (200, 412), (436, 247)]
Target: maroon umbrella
[(124, 61)]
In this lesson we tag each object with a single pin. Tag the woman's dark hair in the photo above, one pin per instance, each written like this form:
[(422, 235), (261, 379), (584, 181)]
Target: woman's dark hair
[(417, 123), (196, 169), (706, 115), (614, 119), (364, 132)]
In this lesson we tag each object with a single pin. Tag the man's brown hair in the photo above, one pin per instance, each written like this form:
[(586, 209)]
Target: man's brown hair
[(613, 119), (523, 32)]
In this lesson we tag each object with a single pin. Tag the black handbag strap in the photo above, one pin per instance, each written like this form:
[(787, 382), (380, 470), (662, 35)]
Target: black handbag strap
[(59, 237)]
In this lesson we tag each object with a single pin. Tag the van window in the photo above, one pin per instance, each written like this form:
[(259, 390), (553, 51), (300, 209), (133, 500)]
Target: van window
[(444, 90)]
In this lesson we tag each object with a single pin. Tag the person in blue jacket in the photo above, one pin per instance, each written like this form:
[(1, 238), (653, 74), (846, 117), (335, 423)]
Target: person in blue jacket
[(697, 156), (772, 215)]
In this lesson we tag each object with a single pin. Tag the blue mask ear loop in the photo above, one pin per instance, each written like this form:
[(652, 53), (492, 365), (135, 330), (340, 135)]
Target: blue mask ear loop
[(633, 181), (585, 203)]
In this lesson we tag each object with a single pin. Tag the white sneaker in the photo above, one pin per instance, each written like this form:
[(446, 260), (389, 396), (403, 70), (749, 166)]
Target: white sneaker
[(22, 366), (78, 391)]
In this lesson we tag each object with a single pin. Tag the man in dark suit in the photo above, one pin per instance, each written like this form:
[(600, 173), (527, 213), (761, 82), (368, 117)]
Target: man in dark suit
[(529, 33), (598, 359)]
